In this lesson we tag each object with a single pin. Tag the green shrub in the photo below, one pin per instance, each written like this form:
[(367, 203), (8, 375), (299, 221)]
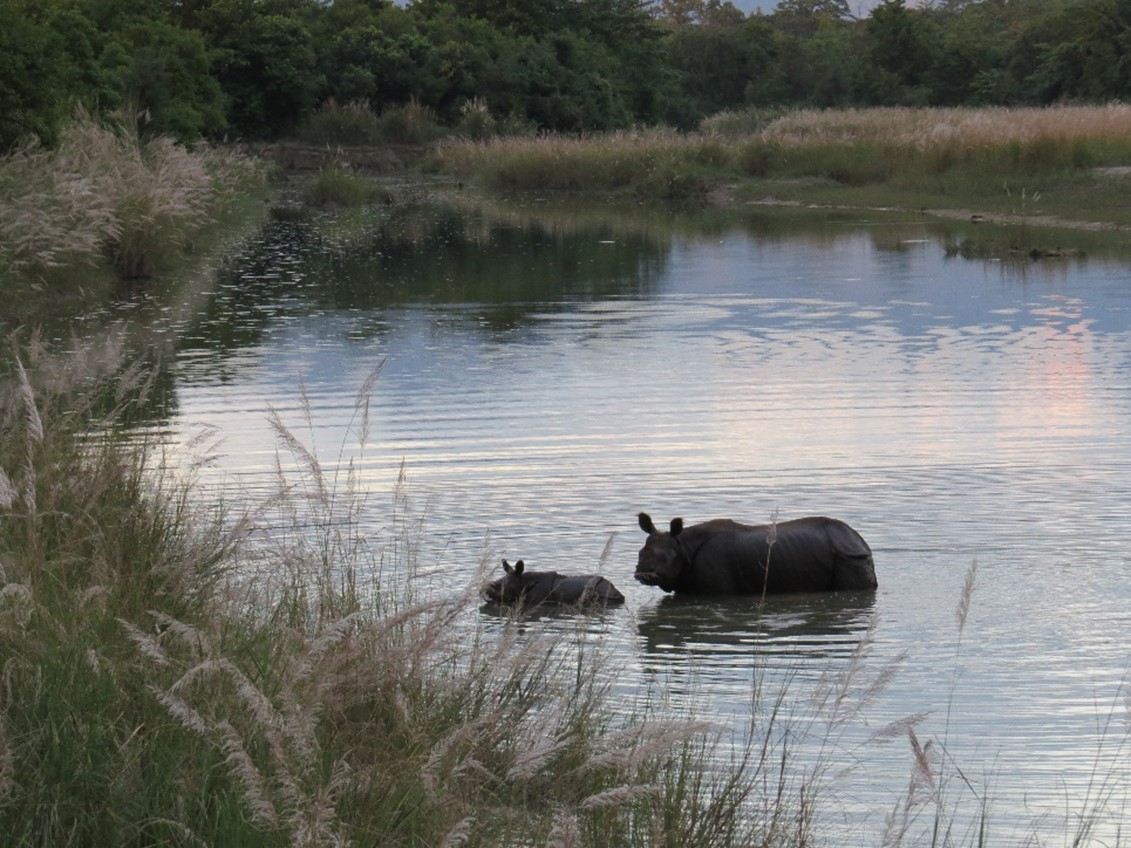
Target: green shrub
[(355, 123), (759, 158), (337, 185), (411, 123)]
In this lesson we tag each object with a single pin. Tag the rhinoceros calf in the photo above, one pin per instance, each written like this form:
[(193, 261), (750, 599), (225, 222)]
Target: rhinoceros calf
[(723, 557), (530, 588)]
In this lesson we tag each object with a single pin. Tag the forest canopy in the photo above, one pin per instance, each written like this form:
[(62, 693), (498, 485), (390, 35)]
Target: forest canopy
[(257, 69)]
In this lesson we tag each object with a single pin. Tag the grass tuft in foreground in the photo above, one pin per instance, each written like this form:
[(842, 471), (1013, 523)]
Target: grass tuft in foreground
[(171, 681)]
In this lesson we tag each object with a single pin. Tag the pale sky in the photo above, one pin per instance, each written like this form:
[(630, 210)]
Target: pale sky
[(860, 8)]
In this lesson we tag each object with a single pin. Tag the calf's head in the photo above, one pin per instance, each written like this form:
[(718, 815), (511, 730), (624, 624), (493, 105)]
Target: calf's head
[(508, 588), (662, 559)]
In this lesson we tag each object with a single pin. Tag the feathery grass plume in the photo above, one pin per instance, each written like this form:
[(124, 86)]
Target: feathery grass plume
[(33, 420), (618, 796), (921, 792), (181, 711), (536, 757), (270, 742), (51, 214), (362, 401), (840, 699), (16, 607), (843, 695), (606, 552), (966, 597), (8, 491), (7, 762), (459, 834), (934, 770), (565, 832), (146, 643), (448, 752), (254, 786), (628, 748)]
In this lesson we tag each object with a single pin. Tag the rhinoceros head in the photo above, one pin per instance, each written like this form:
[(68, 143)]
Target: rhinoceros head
[(662, 559), (508, 588)]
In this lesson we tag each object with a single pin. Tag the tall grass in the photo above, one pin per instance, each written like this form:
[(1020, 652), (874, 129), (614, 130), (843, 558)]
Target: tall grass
[(356, 124), (852, 147), (337, 185), (107, 194), (352, 123), (657, 162)]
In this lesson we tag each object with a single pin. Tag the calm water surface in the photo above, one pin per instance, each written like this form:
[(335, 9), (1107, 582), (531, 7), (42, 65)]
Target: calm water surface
[(547, 375)]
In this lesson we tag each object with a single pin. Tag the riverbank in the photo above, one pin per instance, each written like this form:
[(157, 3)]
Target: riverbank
[(1060, 167), (107, 205)]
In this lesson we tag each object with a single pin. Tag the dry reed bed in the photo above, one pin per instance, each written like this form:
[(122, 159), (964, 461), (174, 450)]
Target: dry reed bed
[(854, 146), (922, 128)]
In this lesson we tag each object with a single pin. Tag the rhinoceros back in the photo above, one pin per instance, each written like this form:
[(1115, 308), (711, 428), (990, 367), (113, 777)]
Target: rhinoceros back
[(814, 554)]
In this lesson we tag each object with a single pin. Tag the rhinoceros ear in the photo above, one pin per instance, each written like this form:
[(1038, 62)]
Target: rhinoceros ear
[(676, 526), (646, 523)]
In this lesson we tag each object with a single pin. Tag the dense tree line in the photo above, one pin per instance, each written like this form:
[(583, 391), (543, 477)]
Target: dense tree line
[(258, 68)]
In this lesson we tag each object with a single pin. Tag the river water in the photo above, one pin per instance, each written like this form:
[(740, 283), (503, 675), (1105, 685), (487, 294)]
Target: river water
[(547, 373)]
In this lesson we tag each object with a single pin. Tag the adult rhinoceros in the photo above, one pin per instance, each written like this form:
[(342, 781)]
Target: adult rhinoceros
[(723, 557), (530, 588)]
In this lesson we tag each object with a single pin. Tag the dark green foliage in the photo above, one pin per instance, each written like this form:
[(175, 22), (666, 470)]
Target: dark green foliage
[(45, 53), (901, 43), (1091, 58), (164, 71), (726, 66), (260, 68), (265, 62)]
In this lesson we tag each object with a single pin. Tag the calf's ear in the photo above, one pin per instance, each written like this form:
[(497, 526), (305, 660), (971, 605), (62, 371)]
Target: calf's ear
[(519, 566), (646, 523), (676, 526), (507, 567)]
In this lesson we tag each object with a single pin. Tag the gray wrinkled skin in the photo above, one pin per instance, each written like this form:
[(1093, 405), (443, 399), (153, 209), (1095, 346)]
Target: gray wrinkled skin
[(723, 557), (530, 588)]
